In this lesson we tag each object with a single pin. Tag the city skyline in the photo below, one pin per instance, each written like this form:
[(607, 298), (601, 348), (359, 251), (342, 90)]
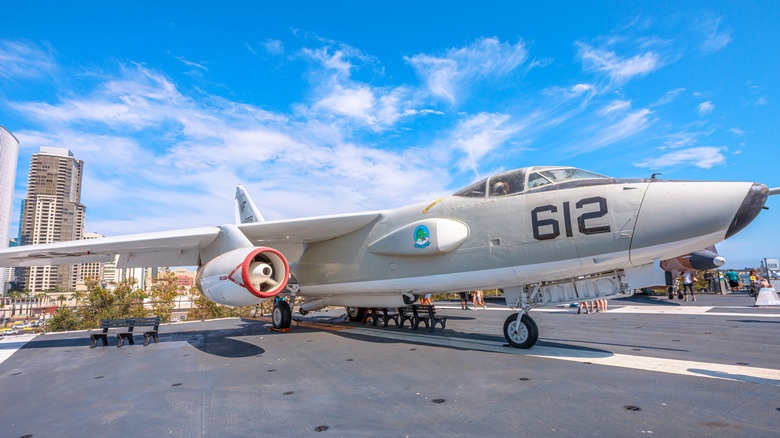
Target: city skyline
[(328, 109)]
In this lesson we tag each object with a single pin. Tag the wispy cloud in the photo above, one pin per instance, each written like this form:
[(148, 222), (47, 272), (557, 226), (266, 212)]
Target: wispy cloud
[(705, 108), (446, 75), (616, 106), (627, 126), (273, 47), (479, 135), (619, 69), (23, 60), (703, 157), (190, 63), (714, 37), (668, 97)]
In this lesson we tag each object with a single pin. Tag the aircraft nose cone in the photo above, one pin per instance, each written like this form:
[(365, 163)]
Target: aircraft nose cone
[(718, 261), (751, 206)]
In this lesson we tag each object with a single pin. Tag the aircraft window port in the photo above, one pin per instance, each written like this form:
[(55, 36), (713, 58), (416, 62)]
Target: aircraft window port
[(417, 314), (130, 323)]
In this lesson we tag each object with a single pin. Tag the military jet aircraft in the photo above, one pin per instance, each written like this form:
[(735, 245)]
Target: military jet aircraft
[(545, 235)]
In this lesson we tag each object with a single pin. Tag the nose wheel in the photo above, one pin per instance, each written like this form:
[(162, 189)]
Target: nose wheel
[(522, 333), (282, 315)]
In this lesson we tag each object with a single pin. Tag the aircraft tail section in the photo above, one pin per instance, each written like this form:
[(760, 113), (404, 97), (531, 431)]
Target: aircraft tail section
[(246, 210)]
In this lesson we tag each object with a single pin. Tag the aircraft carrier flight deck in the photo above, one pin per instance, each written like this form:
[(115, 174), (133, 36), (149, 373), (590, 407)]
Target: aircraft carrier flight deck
[(647, 366)]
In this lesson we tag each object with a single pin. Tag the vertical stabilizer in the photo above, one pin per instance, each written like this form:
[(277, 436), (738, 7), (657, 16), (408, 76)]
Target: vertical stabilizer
[(246, 210)]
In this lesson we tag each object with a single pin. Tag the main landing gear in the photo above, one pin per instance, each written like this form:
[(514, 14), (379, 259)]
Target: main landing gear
[(282, 315), (520, 330), (356, 314)]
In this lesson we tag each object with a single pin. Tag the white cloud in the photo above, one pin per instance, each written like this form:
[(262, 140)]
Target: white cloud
[(761, 101), (478, 135), (668, 97), (616, 106), (22, 60), (633, 123), (447, 75), (273, 47), (703, 157), (190, 63), (619, 69), (685, 138), (737, 131), (161, 159), (714, 38), (705, 108)]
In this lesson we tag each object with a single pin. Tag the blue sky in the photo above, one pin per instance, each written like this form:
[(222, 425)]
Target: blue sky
[(335, 107)]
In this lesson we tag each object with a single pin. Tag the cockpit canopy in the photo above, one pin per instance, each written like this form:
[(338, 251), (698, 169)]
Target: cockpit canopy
[(525, 179)]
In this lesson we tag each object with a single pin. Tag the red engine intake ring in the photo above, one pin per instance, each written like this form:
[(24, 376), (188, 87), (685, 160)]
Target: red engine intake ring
[(245, 273)]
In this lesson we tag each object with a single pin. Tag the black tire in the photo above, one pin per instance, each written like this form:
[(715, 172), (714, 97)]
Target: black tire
[(670, 292), (522, 335), (281, 315), (356, 314)]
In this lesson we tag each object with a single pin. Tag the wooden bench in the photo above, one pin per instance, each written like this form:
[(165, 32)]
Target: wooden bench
[(406, 314), (427, 314), (377, 314), (130, 323), (417, 314)]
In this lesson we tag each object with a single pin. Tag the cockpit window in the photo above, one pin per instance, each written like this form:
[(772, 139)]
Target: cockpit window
[(559, 175), (507, 183), (536, 180), (476, 190)]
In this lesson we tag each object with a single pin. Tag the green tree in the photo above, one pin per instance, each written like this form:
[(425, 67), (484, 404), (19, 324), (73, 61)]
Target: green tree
[(164, 292), (65, 318), (61, 298)]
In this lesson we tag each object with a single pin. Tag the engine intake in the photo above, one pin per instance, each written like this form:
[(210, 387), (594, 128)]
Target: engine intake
[(244, 276)]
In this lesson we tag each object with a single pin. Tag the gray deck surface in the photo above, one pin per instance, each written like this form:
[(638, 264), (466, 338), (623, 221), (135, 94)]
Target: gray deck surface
[(709, 368)]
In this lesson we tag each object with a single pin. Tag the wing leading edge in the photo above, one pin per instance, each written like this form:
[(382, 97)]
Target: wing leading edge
[(179, 247)]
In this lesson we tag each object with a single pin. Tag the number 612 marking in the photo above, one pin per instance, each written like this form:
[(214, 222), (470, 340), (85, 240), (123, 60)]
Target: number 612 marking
[(537, 223)]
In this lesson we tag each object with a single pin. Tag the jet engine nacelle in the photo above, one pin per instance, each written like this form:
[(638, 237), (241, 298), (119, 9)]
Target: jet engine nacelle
[(244, 276)]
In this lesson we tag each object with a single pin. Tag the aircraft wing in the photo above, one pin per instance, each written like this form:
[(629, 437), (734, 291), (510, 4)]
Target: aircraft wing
[(308, 230), (178, 247)]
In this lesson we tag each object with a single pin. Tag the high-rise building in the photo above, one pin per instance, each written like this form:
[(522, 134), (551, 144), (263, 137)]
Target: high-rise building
[(52, 213), (9, 152)]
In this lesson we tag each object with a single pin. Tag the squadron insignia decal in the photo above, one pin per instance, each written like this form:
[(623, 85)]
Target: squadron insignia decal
[(422, 237)]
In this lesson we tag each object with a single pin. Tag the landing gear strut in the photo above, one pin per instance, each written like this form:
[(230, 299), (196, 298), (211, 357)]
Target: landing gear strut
[(521, 331), (282, 315)]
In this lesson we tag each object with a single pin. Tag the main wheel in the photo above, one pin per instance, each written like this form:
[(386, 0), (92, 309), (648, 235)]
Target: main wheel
[(670, 291), (521, 334), (282, 315), (355, 314)]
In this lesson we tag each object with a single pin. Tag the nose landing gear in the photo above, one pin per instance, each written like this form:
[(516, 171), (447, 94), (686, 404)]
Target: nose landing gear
[(520, 330)]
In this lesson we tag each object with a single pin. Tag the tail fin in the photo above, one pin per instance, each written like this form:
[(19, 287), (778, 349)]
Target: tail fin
[(246, 210)]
